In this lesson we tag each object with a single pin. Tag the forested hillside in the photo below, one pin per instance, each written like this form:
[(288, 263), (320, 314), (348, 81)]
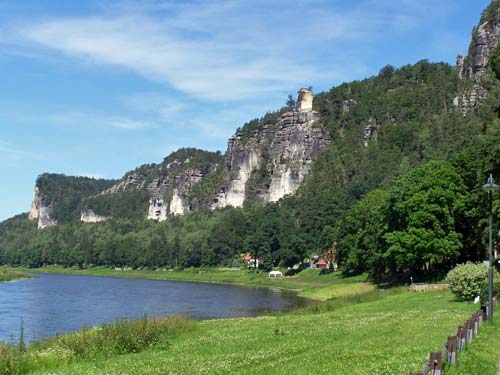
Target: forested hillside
[(65, 193), (398, 189)]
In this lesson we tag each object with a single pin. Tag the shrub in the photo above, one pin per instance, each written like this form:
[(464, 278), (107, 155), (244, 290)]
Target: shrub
[(496, 288), (467, 280)]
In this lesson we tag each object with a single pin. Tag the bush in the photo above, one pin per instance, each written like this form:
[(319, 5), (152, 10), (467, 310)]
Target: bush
[(467, 280), (496, 288)]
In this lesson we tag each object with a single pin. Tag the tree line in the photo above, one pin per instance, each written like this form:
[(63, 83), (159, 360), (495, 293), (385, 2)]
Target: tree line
[(408, 202)]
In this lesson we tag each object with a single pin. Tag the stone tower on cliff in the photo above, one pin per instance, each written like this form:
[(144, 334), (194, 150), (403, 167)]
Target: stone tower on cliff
[(305, 100)]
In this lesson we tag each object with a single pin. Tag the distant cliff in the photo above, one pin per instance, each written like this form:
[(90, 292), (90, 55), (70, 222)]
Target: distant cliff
[(473, 68), (273, 159), (40, 210), (264, 161), (167, 184), (59, 198)]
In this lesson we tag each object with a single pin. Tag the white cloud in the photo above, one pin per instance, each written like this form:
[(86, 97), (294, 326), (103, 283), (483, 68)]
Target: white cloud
[(222, 51), (127, 124), (155, 103), (82, 119), (173, 113), (12, 154)]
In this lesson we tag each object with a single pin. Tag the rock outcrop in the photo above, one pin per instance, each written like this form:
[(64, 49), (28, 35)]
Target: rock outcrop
[(168, 196), (263, 163), (167, 193), (89, 216), (347, 105), (132, 181), (472, 68), (274, 159), (40, 210), (370, 131)]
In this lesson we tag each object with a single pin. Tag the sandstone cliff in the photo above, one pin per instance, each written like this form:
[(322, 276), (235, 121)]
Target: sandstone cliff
[(89, 216), (272, 160), (40, 210), (472, 68), (168, 184), (263, 163)]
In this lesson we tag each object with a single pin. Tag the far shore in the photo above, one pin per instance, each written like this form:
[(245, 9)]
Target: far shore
[(10, 274), (309, 283)]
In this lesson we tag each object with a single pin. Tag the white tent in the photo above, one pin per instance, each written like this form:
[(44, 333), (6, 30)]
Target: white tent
[(275, 274)]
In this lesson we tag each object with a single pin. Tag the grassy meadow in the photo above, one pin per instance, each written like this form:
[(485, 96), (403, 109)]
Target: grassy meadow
[(391, 335), (482, 356), (360, 329)]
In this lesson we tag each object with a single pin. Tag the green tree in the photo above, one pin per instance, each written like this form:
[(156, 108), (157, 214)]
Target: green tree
[(290, 103), (422, 213), (361, 234)]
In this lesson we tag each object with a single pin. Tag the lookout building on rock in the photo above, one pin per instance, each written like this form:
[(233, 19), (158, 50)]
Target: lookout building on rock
[(305, 100)]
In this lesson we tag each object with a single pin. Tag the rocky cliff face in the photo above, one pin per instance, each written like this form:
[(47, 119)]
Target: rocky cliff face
[(260, 166), (471, 68), (40, 210), (370, 131), (167, 194), (272, 161), (89, 216)]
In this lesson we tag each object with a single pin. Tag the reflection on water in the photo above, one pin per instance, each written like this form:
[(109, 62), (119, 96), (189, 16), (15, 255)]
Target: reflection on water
[(55, 304)]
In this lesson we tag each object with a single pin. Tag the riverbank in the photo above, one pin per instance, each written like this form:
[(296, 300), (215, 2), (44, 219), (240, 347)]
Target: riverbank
[(309, 283), (391, 335), (375, 331), (8, 274)]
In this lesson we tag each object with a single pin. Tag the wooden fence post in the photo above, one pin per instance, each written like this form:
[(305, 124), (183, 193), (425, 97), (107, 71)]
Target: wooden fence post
[(469, 330), (452, 345), (480, 316), (475, 324), (436, 361), (461, 338)]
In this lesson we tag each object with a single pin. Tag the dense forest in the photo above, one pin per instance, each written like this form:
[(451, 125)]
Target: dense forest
[(406, 199), (66, 193)]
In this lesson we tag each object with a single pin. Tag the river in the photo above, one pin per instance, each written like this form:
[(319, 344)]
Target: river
[(54, 303)]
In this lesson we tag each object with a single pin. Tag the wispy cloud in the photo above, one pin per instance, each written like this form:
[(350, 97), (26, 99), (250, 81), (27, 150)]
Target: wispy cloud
[(223, 50), (87, 119), (171, 112), (156, 103), (11, 154)]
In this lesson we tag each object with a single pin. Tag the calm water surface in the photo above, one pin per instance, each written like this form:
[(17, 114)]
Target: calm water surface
[(55, 304)]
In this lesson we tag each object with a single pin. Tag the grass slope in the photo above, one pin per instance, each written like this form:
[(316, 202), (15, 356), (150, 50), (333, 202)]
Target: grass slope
[(482, 356), (10, 275), (392, 335)]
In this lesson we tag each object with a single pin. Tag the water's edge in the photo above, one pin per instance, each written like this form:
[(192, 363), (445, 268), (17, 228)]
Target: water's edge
[(59, 303)]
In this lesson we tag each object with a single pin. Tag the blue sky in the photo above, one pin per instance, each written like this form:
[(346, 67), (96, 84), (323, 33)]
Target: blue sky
[(97, 88)]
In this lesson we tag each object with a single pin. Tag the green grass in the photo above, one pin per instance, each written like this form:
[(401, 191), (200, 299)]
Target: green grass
[(390, 335), (309, 282), (94, 345), (7, 274), (360, 329), (482, 355)]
